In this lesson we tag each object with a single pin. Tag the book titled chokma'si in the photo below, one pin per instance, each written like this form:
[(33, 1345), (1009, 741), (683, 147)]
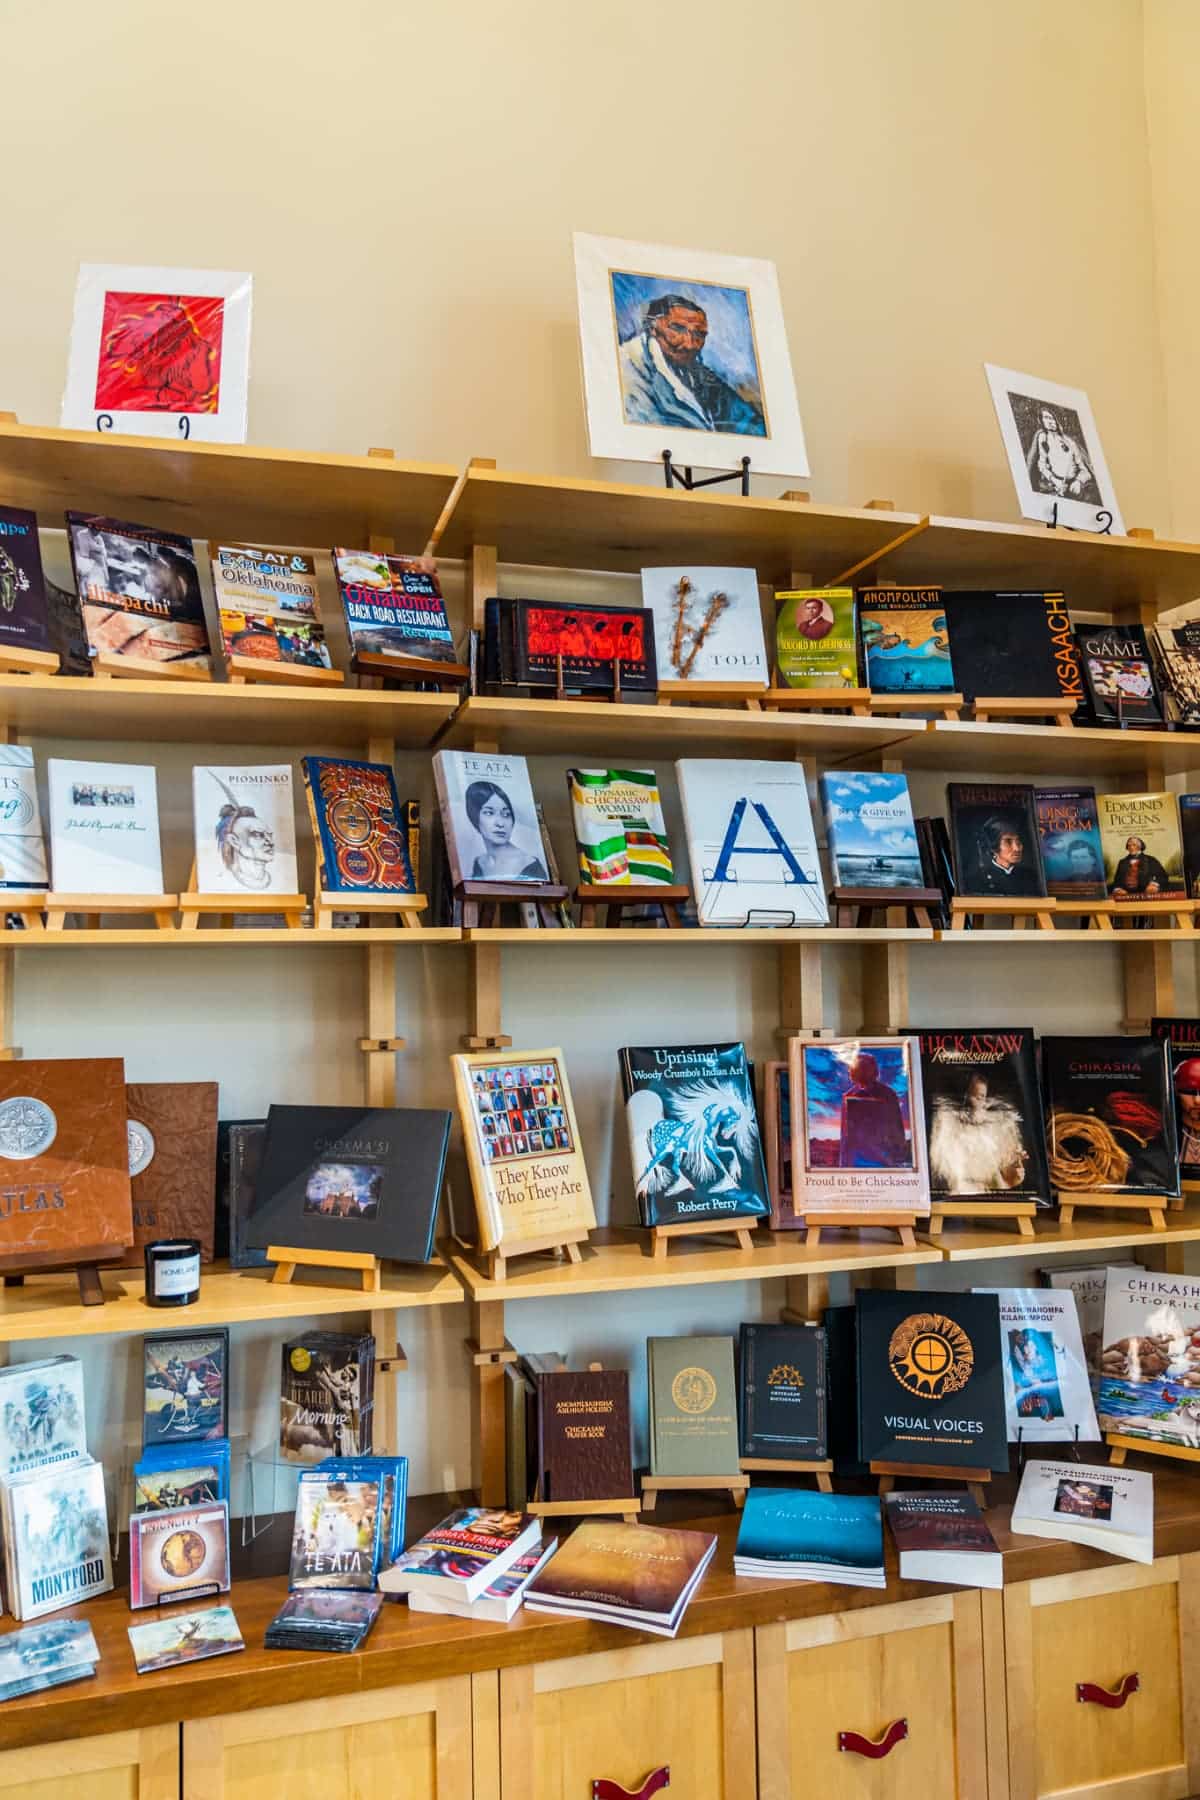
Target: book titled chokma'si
[(693, 1133)]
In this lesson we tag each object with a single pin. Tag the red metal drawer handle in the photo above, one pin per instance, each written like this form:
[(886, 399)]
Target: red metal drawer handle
[(612, 1790), (1098, 1696), (895, 1734)]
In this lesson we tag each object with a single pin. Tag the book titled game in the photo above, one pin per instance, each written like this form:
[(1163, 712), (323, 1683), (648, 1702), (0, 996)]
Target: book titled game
[(64, 1162), (641, 1576), (172, 1132), (180, 1554), (997, 850), (1107, 1508), (1047, 1393), (489, 817), (327, 1396), (708, 624), (268, 604), (184, 1638), (751, 843), (620, 833), (1150, 1358), (858, 1141), (465, 1554), (358, 825), (782, 1391), (41, 1414), (870, 829), (395, 611), (1110, 1118), (1143, 850), (185, 1380), (693, 1133), (693, 1406), (584, 1446), (522, 1141), (906, 640), (140, 592), (1069, 835), (56, 1533), (930, 1388), (1182, 1038), (816, 645), (245, 830), (104, 827), (23, 617), (22, 847), (1118, 675), (337, 1532), (983, 1114), (1013, 645)]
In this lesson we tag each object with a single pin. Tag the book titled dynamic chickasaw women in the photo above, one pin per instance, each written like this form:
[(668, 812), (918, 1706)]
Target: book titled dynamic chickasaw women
[(1150, 1360), (1182, 1037), (1118, 675), (245, 830), (22, 847), (23, 618), (619, 829), (1069, 833), (906, 640), (172, 1132), (929, 1383), (267, 602), (751, 843), (858, 1143), (815, 641), (395, 611), (996, 846), (1013, 644), (358, 825), (693, 1133), (522, 1140), (327, 1396), (1143, 851), (1110, 1121), (139, 590), (870, 830), (64, 1162), (983, 1115)]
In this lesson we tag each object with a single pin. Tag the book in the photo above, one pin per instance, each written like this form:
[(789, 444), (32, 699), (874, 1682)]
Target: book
[(930, 1389), (1069, 837), (22, 846), (327, 1399), (590, 638), (841, 1344), (392, 1474), (394, 610), (528, 1174), (1110, 1117), (870, 830), (707, 624), (239, 1157), (64, 1162), (184, 1638), (324, 1619), (1182, 1038), (501, 1601), (1189, 832), (68, 639), (1175, 652), (185, 1384), (641, 1576), (23, 618), (905, 640), (787, 1534), (171, 1128), (488, 814), (140, 592), (584, 1447), (268, 604), (45, 1656), (104, 827), (361, 1178), (56, 1530), (1118, 676), (180, 1554), (996, 844), (1150, 1358), (816, 642), (693, 1406), (176, 1475), (1047, 1393), (358, 826), (751, 843), (245, 831), (336, 1533), (944, 1537), (694, 1143), (41, 1414), (777, 1133), (1107, 1508), (1013, 644), (984, 1129), (464, 1554), (1143, 850), (858, 1138), (1087, 1286), (620, 834), (782, 1392)]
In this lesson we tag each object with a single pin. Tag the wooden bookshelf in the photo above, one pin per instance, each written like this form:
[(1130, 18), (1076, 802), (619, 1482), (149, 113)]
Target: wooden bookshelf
[(1120, 939), (1048, 750), (962, 1240), (221, 937), (725, 938)]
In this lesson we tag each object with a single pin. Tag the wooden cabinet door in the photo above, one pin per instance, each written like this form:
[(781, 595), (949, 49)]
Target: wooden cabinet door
[(1078, 1721), (411, 1741), (686, 1705), (905, 1681), (124, 1765)]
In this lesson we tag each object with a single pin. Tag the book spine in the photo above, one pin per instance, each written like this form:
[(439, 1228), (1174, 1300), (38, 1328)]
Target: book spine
[(309, 770)]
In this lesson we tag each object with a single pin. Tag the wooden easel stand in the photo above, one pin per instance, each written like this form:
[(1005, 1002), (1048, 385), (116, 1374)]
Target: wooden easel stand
[(496, 1261), (407, 908), (740, 1225), (990, 1211), (482, 901), (620, 897), (193, 906), (748, 694), (132, 668), (161, 908), (975, 1479), (392, 671), (287, 1259), (981, 908), (1059, 711), (28, 903), (624, 1507), (735, 1485), (853, 700), (16, 661), (858, 906), (1153, 1205), (253, 670), (1119, 1447), (1179, 913), (1097, 915), (944, 706), (903, 1223), (782, 1465)]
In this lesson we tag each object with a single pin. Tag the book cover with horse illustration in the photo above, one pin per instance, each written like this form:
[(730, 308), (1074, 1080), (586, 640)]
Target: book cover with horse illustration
[(693, 1133)]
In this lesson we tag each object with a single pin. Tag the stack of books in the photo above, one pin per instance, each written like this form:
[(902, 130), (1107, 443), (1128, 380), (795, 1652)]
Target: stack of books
[(1108, 1508), (52, 1504), (787, 1534), (501, 1601), (45, 1656), (944, 1537), (462, 1557), (636, 1575)]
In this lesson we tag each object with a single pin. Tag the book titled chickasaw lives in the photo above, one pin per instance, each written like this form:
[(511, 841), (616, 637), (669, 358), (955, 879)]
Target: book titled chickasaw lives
[(184, 1638), (268, 605), (140, 592), (906, 640), (41, 1414), (1150, 1360), (751, 843), (1118, 676), (181, 1554), (707, 625), (858, 1139), (245, 829), (595, 643), (522, 1140), (395, 611), (693, 1406), (620, 833), (56, 1530), (870, 829), (1110, 1121), (361, 836), (642, 1576), (782, 1391), (327, 1396), (23, 618), (1182, 1038), (64, 1162), (1013, 644), (336, 1535), (930, 1388), (996, 846), (1047, 1393), (22, 846), (104, 827), (983, 1115), (693, 1133), (1069, 835), (816, 644), (1143, 850), (489, 817), (172, 1132)]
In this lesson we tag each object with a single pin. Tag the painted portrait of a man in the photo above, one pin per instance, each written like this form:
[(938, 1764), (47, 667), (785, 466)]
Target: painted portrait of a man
[(687, 355)]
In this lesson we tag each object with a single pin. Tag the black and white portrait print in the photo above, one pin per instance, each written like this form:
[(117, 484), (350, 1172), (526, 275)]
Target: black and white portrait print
[(1055, 448), (1054, 452)]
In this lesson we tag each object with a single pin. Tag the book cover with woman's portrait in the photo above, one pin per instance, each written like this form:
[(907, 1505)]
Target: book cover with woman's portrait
[(489, 817)]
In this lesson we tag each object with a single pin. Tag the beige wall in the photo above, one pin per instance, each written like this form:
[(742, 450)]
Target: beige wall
[(1173, 116)]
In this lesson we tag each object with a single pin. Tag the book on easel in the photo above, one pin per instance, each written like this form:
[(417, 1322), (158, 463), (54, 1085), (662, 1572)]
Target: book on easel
[(983, 1120), (1110, 1120), (22, 846), (396, 618), (1047, 1391), (858, 1142), (693, 1408), (816, 643), (693, 1135), (140, 592), (782, 1392), (24, 624), (244, 833), (870, 831), (584, 1451), (1150, 1359), (361, 837), (930, 1390), (104, 828), (270, 615)]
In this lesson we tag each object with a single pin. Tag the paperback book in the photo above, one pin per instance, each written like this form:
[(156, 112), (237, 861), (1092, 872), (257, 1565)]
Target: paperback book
[(996, 845), (22, 847), (184, 1638), (751, 843), (23, 617), (358, 825), (944, 1537), (528, 1175), (501, 1601), (858, 1139), (171, 1127), (245, 830), (693, 1133), (1182, 1038), (1143, 850), (906, 640), (782, 1392), (268, 605), (1047, 1392), (708, 625), (1110, 1121), (1087, 1286), (1107, 1508), (465, 1554), (816, 643), (1118, 676), (332, 1619), (489, 817), (394, 610), (1069, 835), (41, 1414), (585, 1450), (1015, 644), (139, 590), (870, 830), (641, 1576), (185, 1386), (983, 1115), (336, 1534), (327, 1396), (104, 827), (788, 1534), (64, 1162), (46, 1656), (56, 1531), (1150, 1359), (693, 1406), (620, 833), (1176, 654), (930, 1388), (181, 1554)]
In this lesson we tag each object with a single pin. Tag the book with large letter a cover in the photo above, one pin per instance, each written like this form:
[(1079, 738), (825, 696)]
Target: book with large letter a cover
[(751, 843), (930, 1388)]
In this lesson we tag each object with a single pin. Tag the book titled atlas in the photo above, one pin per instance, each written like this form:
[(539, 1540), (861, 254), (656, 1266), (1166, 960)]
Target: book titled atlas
[(693, 1406), (1150, 1357), (522, 1141), (708, 625), (104, 827), (983, 1114), (22, 846), (620, 833), (41, 1414), (906, 640), (816, 644), (1013, 644), (1107, 1508), (1143, 849), (489, 817), (1182, 1038), (24, 623), (1110, 1117), (395, 611), (140, 592), (56, 1533), (693, 1133), (64, 1162), (782, 1392), (268, 605), (997, 851), (1069, 835), (1047, 1393), (641, 1576), (245, 829), (360, 831), (751, 843), (858, 1139), (930, 1388), (1119, 676), (180, 1554), (870, 829)]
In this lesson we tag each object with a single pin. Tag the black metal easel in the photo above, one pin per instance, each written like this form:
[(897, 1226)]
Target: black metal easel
[(685, 478)]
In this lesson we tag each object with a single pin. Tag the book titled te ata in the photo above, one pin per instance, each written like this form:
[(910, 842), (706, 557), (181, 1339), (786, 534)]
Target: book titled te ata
[(527, 1169), (929, 1383)]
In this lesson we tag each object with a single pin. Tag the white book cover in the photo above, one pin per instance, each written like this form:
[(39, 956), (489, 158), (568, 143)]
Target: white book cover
[(1047, 1394), (41, 1414), (60, 1538), (707, 625), (1150, 1357), (1109, 1508), (104, 828), (1087, 1285), (22, 849), (751, 843), (245, 830), (489, 817)]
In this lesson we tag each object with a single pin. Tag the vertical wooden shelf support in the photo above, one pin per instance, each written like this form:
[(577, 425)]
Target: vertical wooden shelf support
[(885, 966)]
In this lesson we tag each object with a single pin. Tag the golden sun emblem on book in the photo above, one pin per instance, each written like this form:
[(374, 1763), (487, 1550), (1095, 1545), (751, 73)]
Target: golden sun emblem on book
[(693, 1390), (930, 1355), (785, 1375)]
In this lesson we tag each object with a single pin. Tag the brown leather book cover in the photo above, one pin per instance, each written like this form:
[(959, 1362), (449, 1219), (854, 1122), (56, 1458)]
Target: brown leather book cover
[(64, 1162), (585, 1452), (172, 1163)]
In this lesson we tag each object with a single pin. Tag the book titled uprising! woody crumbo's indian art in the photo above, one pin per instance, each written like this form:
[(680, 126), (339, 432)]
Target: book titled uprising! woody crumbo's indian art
[(693, 1133)]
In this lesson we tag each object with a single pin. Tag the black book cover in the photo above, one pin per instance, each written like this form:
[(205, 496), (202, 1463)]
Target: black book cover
[(326, 1396), (1118, 675), (930, 1386), (693, 1133), (997, 851), (782, 1391), (589, 638), (68, 639), (1182, 1038), (1189, 831), (1013, 644), (23, 621), (1110, 1120), (983, 1114), (239, 1158), (1176, 656), (351, 1178), (841, 1380)]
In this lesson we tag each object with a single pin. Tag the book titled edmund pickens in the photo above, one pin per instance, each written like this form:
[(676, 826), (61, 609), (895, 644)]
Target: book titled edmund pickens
[(693, 1133)]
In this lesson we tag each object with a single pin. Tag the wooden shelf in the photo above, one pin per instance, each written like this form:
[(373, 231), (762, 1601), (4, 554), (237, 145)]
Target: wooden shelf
[(1080, 752), (218, 937), (1156, 934), (295, 498), (727, 937), (963, 1241)]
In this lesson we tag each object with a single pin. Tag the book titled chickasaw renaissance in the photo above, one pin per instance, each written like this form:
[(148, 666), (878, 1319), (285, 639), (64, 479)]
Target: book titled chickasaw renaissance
[(619, 829), (267, 601), (983, 1115), (815, 641), (1110, 1121), (527, 1169), (140, 592), (751, 843), (693, 1133), (1150, 1358), (858, 1143), (395, 611), (1047, 1392), (361, 838)]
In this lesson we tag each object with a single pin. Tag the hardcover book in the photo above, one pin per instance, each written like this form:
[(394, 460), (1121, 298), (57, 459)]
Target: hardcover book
[(185, 1384), (57, 1527), (489, 817), (351, 1178), (693, 1133), (184, 1638), (41, 1414), (1189, 831), (584, 1447), (1069, 835), (1143, 851), (1110, 1121), (1118, 676), (245, 830), (22, 847), (1176, 654), (104, 827), (641, 1576), (707, 624), (620, 833), (68, 639), (930, 1390), (1013, 644), (858, 1142), (841, 1343), (944, 1537), (244, 1139), (522, 1140), (906, 640), (751, 843), (1107, 1508), (693, 1409), (172, 1132), (782, 1392), (816, 645), (465, 1554), (1150, 1360), (23, 618), (139, 590), (268, 604), (178, 1555), (1182, 1038), (590, 638), (358, 826), (327, 1396), (394, 609), (64, 1162), (1087, 1286), (871, 834), (984, 1129), (336, 1534), (787, 1534), (777, 1129), (996, 844), (1047, 1394)]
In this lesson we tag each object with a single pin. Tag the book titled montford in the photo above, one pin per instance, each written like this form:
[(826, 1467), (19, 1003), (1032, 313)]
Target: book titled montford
[(693, 1133), (56, 1525)]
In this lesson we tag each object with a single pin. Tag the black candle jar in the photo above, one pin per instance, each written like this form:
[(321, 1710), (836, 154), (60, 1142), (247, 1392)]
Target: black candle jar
[(173, 1272)]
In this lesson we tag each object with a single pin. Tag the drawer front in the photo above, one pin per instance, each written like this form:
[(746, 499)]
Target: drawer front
[(125, 1765)]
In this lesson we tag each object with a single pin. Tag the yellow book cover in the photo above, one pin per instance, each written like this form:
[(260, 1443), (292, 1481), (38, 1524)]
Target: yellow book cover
[(527, 1169), (1143, 852)]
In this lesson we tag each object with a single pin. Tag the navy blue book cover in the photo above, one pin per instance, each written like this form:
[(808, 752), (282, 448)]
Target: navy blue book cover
[(23, 616), (841, 1374), (930, 1387), (693, 1133), (781, 1391), (793, 1525)]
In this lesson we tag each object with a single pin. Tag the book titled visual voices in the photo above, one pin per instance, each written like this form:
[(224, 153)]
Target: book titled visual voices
[(244, 829), (620, 833), (869, 823), (858, 1143), (693, 1133), (930, 1389), (751, 843)]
